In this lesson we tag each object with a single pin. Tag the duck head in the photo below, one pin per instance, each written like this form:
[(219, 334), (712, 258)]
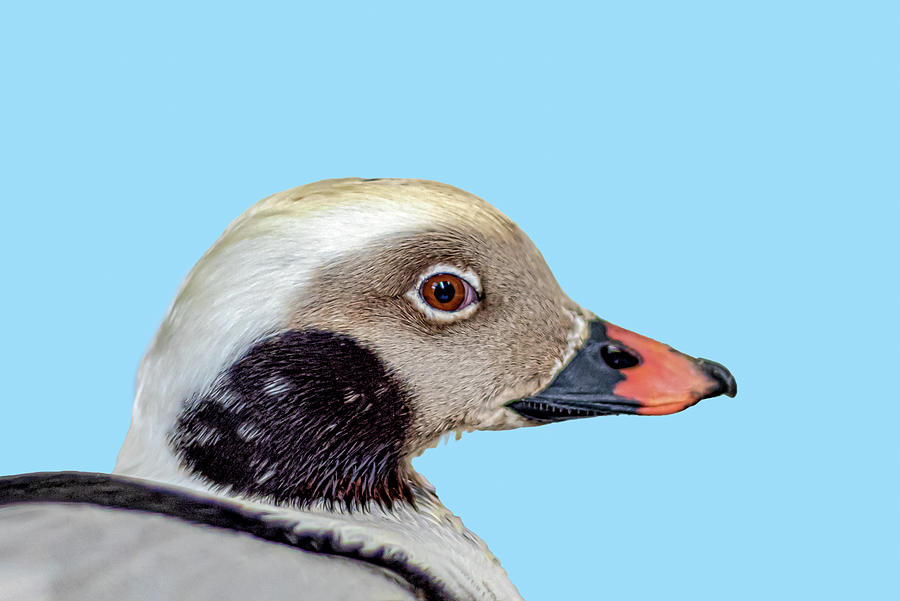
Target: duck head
[(336, 330)]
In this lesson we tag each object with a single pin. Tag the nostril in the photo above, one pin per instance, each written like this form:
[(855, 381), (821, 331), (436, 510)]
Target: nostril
[(619, 357)]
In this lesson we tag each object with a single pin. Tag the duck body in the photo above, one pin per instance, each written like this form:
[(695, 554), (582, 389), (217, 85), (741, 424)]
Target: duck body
[(332, 333), (73, 536)]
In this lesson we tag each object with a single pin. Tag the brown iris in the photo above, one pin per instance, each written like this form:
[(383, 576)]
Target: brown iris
[(444, 291)]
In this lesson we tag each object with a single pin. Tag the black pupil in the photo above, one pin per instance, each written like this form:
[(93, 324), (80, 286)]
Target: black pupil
[(444, 291), (618, 357)]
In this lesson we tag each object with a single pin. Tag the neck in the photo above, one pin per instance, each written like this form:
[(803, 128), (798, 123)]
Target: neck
[(302, 417)]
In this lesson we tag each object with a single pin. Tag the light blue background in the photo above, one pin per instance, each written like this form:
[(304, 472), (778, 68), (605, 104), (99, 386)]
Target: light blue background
[(719, 176)]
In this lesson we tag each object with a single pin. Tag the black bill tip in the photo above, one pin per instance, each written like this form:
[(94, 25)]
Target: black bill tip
[(725, 382)]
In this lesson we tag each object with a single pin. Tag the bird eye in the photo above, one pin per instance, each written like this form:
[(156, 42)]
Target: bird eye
[(447, 292)]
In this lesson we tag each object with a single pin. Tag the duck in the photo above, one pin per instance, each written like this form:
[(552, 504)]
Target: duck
[(333, 332)]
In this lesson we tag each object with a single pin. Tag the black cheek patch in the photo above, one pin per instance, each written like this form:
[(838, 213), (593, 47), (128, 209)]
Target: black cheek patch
[(303, 416)]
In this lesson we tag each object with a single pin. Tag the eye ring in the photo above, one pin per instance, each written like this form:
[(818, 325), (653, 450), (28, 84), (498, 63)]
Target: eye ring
[(447, 292), (464, 280)]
